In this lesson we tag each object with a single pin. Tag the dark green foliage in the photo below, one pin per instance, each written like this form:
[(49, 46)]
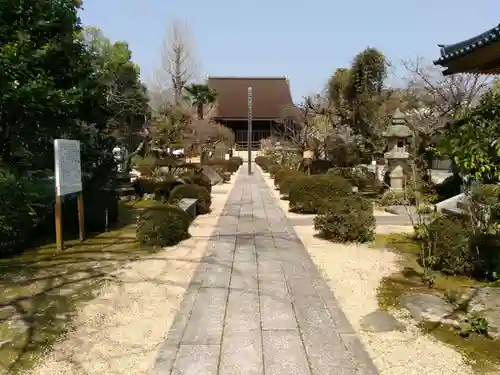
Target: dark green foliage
[(232, 165), (450, 246), (22, 208), (47, 83), (281, 174), (273, 169), (472, 141), (288, 180), (164, 187), (262, 162), (193, 191), (319, 166), (197, 178), (160, 188), (162, 226), (346, 219), (359, 176), (308, 194), (237, 160), (450, 187)]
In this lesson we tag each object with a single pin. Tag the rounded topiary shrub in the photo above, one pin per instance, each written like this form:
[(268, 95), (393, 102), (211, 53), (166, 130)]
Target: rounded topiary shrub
[(164, 187), (236, 160), (262, 162), (162, 226), (192, 191), (307, 194), (197, 178), (346, 219), (449, 242), (285, 178), (232, 165)]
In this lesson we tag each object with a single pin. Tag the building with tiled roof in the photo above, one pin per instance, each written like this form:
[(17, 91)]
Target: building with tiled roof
[(270, 96), (480, 54)]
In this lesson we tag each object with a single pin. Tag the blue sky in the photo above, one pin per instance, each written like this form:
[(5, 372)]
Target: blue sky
[(305, 40)]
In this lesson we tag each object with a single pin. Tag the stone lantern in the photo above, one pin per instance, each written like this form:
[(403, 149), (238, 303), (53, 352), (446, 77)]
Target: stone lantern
[(398, 135)]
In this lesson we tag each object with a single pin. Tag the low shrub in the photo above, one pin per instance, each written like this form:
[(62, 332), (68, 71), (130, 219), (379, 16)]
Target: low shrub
[(396, 198), (262, 162), (162, 226), (237, 160), (19, 212), (450, 187), (196, 178), (273, 169), (319, 166), (285, 177), (307, 194), (450, 250), (192, 191), (232, 165), (346, 219), (358, 176), (160, 188)]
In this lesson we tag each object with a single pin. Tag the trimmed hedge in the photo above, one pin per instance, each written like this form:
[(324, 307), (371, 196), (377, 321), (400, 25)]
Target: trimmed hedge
[(284, 178), (192, 191), (346, 219), (308, 194), (162, 226)]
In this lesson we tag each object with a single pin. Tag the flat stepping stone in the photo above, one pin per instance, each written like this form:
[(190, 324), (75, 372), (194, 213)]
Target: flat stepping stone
[(380, 321)]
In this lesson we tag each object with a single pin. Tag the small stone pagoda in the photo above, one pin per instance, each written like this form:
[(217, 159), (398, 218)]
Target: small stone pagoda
[(398, 135)]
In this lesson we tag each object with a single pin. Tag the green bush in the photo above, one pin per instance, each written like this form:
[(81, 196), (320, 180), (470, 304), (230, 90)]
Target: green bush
[(162, 226), (450, 250), (285, 177), (358, 176), (160, 188), (232, 165), (193, 191), (197, 178), (22, 208), (237, 160), (262, 162), (319, 166), (450, 187), (346, 219), (308, 194), (396, 198)]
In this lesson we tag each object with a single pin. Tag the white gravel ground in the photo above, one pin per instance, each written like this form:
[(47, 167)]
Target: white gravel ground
[(354, 272), (119, 332)]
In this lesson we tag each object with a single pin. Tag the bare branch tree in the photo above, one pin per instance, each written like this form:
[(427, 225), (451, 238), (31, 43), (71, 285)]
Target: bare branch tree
[(179, 65), (434, 99)]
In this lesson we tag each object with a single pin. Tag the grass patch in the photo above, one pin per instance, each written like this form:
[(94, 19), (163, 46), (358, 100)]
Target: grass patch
[(42, 288), (479, 351)]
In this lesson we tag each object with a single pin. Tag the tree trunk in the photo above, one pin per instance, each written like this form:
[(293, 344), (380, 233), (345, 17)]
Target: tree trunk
[(200, 110)]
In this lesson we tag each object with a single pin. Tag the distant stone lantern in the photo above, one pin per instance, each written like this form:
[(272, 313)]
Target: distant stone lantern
[(398, 135)]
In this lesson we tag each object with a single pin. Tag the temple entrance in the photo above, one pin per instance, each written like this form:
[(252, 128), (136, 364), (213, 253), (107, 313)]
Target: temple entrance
[(257, 135)]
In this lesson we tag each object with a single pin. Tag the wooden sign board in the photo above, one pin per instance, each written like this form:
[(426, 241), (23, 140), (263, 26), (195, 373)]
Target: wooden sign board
[(68, 173)]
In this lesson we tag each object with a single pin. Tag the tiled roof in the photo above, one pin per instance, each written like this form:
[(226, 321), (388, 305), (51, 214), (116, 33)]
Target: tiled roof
[(269, 96), (454, 51)]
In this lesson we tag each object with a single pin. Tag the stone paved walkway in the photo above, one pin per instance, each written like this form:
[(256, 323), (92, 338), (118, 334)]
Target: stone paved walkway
[(257, 304)]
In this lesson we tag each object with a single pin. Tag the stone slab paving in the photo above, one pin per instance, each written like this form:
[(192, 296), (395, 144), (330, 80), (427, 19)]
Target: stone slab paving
[(257, 304)]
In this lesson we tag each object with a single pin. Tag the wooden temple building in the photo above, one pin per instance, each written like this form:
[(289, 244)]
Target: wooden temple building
[(479, 54), (270, 97)]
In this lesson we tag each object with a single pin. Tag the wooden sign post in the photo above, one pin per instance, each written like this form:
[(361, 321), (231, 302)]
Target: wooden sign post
[(68, 181)]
